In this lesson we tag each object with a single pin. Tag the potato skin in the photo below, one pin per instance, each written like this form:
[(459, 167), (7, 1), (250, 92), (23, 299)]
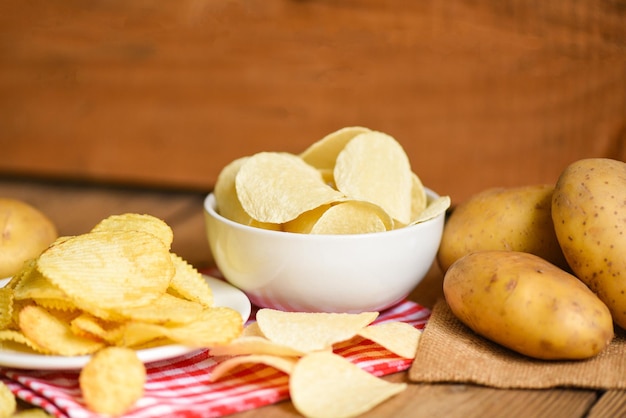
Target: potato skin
[(24, 233), (589, 215), (528, 305), (516, 219)]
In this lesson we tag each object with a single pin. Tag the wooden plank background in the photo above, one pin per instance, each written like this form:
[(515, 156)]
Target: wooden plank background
[(480, 93)]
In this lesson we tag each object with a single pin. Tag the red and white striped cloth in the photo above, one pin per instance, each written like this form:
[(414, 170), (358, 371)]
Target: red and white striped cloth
[(180, 387)]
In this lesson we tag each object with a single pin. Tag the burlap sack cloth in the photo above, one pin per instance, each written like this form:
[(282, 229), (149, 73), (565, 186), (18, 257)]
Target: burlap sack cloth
[(450, 352)]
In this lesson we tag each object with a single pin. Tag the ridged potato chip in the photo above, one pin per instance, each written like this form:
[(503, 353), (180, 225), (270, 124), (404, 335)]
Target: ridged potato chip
[(324, 384), (112, 381), (138, 222), (278, 187), (188, 283), (109, 269), (311, 331), (6, 308), (374, 167), (53, 333)]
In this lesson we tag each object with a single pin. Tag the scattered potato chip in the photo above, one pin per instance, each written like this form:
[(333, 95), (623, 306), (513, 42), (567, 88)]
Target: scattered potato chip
[(398, 337), (324, 384), (112, 380), (278, 187), (248, 344), (252, 330), (8, 404), (374, 167), (311, 331), (109, 269), (323, 153), (284, 364), (53, 333), (138, 222)]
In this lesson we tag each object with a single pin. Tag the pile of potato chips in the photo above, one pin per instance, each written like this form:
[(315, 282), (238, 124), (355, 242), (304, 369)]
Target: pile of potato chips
[(119, 285), (300, 344), (352, 181)]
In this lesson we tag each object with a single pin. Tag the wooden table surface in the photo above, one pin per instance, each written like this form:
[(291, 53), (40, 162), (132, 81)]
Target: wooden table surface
[(76, 208)]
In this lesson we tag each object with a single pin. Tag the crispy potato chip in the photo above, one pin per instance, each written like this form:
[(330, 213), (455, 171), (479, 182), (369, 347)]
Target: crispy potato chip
[(89, 326), (6, 307), (228, 204), (109, 269), (434, 209), (398, 337), (53, 333), (112, 381), (305, 222), (32, 413), (419, 199), (252, 330), (13, 336), (284, 364), (138, 222), (352, 217), (188, 283), (34, 285), (249, 344), (374, 167), (323, 153), (311, 331), (324, 384), (8, 404), (215, 326), (278, 187), (165, 309)]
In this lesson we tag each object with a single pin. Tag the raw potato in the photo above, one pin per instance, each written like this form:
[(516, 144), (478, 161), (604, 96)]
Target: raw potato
[(528, 305), (25, 233), (516, 219), (589, 214)]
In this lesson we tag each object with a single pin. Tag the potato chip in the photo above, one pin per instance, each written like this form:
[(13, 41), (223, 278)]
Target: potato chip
[(284, 364), (323, 153), (8, 404), (215, 326), (252, 330), (188, 283), (34, 285), (253, 345), (89, 326), (305, 222), (32, 413), (352, 217), (53, 333), (6, 307), (398, 337), (138, 222), (228, 204), (112, 381), (17, 337), (374, 167), (434, 209), (311, 331), (324, 384), (278, 187), (109, 269), (419, 198)]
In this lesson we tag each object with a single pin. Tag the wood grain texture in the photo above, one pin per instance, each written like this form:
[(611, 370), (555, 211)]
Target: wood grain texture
[(480, 93)]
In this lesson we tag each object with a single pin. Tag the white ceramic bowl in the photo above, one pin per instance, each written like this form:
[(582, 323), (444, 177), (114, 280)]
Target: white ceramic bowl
[(322, 273)]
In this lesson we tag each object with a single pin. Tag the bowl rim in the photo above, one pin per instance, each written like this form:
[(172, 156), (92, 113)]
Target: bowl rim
[(210, 205)]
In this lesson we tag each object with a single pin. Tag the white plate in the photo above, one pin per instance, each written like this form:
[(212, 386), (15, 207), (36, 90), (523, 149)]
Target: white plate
[(224, 294)]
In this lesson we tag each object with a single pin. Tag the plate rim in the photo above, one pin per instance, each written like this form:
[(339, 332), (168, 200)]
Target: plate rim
[(33, 361)]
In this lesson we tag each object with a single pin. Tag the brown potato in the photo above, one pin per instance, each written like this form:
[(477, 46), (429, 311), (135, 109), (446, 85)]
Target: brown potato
[(26, 232), (516, 219), (528, 305), (589, 214)]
